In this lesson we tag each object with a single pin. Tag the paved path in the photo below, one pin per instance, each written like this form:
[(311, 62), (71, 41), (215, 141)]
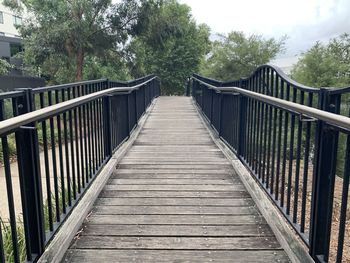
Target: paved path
[(175, 198)]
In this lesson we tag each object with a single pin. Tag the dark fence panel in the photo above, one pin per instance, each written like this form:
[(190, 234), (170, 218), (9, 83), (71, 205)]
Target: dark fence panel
[(10, 83), (59, 155), (301, 162)]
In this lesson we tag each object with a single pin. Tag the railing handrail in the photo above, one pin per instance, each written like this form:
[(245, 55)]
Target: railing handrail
[(37, 115), (62, 86), (279, 73), (11, 94), (331, 118)]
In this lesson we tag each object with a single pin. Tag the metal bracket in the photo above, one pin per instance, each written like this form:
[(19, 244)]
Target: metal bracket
[(27, 127), (305, 118)]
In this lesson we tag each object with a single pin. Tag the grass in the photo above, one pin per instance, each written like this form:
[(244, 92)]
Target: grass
[(7, 241), (7, 235)]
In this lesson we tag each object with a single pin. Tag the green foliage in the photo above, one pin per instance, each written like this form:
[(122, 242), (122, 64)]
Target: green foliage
[(4, 67), (169, 44), (325, 65), (328, 65), (236, 55), (7, 239), (58, 36)]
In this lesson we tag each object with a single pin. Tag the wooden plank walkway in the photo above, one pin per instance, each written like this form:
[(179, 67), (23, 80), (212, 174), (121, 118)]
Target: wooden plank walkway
[(174, 198)]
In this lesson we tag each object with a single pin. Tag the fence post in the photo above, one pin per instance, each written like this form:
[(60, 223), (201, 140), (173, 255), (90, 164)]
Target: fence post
[(30, 180), (326, 143)]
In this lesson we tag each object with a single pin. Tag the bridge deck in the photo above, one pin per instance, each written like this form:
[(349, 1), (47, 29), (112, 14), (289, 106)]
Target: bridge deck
[(175, 198)]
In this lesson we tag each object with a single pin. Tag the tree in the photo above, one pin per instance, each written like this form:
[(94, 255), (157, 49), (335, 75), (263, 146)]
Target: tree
[(328, 65), (59, 35), (236, 55), (4, 67), (325, 65), (169, 44)]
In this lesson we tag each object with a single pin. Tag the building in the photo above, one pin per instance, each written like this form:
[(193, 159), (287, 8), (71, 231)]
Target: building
[(10, 45), (10, 40), (8, 22)]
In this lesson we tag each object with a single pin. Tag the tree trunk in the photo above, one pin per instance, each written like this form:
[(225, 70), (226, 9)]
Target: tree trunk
[(79, 65)]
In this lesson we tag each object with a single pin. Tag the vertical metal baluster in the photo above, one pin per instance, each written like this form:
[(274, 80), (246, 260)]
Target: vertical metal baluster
[(285, 142), (81, 118), (266, 142), (60, 153), (269, 144), (279, 138), (273, 167), (297, 166), (95, 128), (267, 119), (78, 154), (66, 148), (54, 162), (306, 168), (247, 145), (10, 198), (251, 136), (86, 168), (2, 252), (256, 116), (90, 136), (291, 155), (344, 201), (47, 166), (71, 141), (93, 132), (260, 124)]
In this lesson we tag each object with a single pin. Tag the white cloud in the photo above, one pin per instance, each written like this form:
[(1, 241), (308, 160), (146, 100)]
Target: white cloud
[(304, 22)]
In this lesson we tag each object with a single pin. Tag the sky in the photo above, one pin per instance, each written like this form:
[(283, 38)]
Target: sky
[(303, 21)]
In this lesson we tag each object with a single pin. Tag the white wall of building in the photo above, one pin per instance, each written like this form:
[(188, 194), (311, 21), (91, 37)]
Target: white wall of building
[(9, 18)]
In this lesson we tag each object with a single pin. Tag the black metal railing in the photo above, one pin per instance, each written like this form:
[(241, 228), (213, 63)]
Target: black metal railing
[(293, 153), (50, 156)]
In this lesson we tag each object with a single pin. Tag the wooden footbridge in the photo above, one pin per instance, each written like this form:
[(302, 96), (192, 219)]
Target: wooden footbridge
[(112, 172), (174, 197)]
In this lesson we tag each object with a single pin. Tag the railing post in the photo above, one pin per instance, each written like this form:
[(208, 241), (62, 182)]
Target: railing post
[(326, 143), (242, 124), (30, 181), (107, 125)]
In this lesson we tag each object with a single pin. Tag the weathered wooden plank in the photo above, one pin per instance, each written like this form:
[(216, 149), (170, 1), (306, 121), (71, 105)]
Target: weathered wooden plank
[(171, 176), (173, 161), (175, 210), (175, 219), (183, 256), (178, 230), (193, 187), (210, 194), (167, 171), (197, 167), (184, 243), (170, 181), (175, 201)]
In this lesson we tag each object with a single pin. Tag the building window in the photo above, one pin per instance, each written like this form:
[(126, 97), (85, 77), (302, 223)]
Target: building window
[(1, 17), (17, 20), (15, 48)]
